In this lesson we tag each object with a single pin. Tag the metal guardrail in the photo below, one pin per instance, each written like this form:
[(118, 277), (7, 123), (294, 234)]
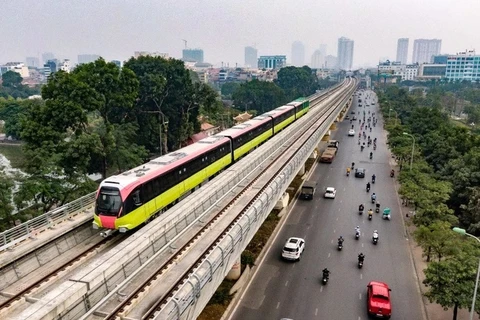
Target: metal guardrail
[(19, 233)]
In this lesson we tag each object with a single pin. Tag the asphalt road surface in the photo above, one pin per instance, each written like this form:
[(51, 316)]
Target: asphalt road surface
[(282, 289)]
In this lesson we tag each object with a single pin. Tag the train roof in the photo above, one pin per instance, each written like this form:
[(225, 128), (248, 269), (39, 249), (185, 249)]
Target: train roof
[(297, 102), (246, 126), (162, 164)]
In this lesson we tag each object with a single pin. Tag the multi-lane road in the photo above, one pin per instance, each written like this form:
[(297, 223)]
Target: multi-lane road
[(293, 290)]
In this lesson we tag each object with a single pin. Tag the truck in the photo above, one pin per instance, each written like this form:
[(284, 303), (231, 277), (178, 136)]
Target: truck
[(329, 154), (308, 190)]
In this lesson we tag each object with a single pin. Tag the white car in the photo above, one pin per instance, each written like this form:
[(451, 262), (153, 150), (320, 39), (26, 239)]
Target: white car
[(330, 192), (351, 133), (293, 249)]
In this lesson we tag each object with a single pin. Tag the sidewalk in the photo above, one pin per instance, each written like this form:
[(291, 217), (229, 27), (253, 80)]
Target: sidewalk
[(434, 311)]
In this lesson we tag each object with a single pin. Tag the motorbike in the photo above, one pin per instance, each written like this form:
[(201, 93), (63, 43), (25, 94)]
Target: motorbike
[(361, 147), (325, 278), (340, 246), (392, 173), (368, 189), (370, 215), (373, 180), (371, 156), (374, 147), (357, 235), (360, 264), (377, 207), (373, 200), (375, 240), (348, 173)]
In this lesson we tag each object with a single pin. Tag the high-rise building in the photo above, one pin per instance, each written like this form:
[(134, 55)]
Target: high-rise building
[(402, 50), (318, 59), (425, 49), (345, 53), (65, 65), (298, 54), (323, 49), (251, 57), (463, 66), (330, 62), (47, 56), (87, 58), (272, 62), (192, 55), (33, 62)]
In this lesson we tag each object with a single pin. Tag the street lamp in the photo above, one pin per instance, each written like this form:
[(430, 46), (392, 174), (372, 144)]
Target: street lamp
[(413, 147), (464, 232)]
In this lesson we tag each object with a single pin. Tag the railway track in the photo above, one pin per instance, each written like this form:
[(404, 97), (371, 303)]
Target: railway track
[(123, 309), (18, 294)]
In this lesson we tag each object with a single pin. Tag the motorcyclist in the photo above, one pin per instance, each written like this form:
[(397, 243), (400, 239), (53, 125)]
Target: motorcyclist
[(368, 186), (348, 171), (353, 165), (370, 212), (371, 155), (361, 207), (392, 173), (340, 240), (375, 235), (326, 273), (357, 230), (374, 196), (361, 257), (362, 147), (373, 177)]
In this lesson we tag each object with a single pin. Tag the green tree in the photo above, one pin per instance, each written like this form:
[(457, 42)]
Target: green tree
[(437, 239), (451, 282), (12, 79), (167, 94), (259, 95), (229, 88), (297, 82), (6, 208)]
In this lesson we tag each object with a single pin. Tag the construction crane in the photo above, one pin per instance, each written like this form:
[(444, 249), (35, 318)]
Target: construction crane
[(185, 42)]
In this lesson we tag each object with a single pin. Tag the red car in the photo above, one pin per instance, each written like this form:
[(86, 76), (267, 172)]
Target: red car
[(378, 300)]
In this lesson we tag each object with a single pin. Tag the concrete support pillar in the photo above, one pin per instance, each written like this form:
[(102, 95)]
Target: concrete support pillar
[(301, 172), (333, 126), (314, 154), (282, 202), (326, 137), (236, 270)]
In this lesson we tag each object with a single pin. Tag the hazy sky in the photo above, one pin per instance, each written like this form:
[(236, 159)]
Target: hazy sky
[(222, 28)]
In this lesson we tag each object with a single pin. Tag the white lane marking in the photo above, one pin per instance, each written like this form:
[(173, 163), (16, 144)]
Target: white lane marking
[(332, 241), (344, 189), (321, 288), (360, 296), (316, 311), (278, 304), (359, 318), (361, 276), (334, 230), (329, 255), (362, 244), (338, 209), (337, 218), (286, 283)]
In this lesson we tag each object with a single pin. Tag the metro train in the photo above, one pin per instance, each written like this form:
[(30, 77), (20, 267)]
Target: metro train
[(125, 201)]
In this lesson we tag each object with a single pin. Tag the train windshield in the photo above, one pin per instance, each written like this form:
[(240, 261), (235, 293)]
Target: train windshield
[(109, 201)]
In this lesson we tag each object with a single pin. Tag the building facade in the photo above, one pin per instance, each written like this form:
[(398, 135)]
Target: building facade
[(441, 59), (463, 66), (87, 58), (298, 54), (398, 70), (425, 49), (402, 50), (65, 65), (428, 71), (251, 57), (195, 55), (318, 59), (18, 67), (33, 62), (345, 53), (272, 62), (330, 62)]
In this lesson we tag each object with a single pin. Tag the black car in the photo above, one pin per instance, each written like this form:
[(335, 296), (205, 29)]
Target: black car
[(360, 173)]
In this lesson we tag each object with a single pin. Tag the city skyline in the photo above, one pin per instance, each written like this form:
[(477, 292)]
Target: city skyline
[(73, 28)]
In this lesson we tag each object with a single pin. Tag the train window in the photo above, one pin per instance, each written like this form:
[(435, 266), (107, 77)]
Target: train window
[(136, 198)]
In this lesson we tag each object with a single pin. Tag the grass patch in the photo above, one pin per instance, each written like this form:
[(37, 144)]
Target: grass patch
[(460, 123), (14, 154)]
